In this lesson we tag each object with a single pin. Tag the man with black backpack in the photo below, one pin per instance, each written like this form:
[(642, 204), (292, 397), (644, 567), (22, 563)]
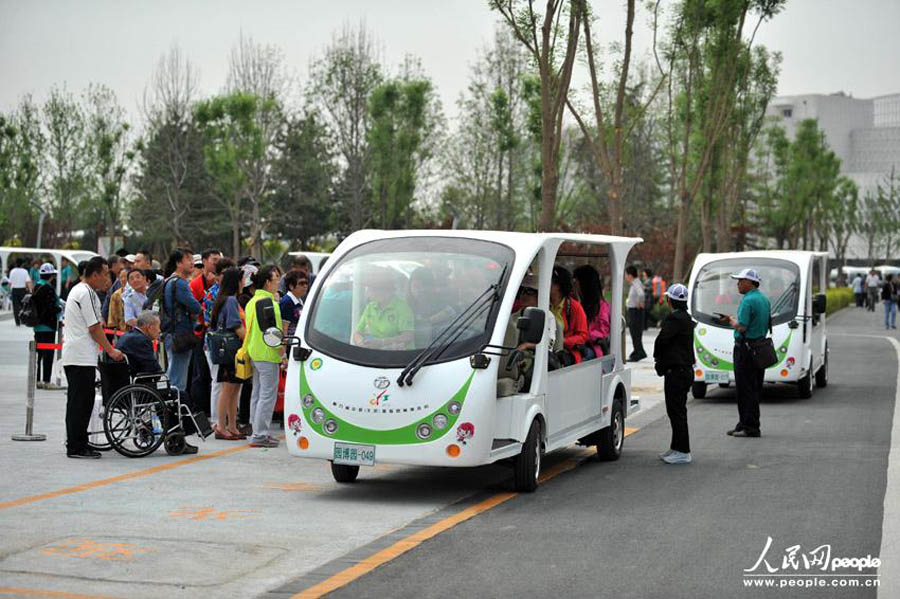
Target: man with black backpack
[(179, 315)]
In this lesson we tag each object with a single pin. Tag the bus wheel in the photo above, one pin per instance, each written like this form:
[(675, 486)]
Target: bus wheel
[(343, 473), (805, 386), (527, 465), (612, 438), (698, 390), (822, 374)]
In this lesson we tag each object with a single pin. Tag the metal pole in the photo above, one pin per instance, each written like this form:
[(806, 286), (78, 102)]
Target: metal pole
[(29, 404), (56, 364)]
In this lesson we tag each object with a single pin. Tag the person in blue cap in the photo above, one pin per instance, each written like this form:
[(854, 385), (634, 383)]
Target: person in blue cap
[(752, 323), (673, 352)]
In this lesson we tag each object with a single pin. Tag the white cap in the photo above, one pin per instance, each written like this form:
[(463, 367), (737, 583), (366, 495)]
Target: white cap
[(198, 259), (129, 258), (47, 269), (749, 274), (677, 292)]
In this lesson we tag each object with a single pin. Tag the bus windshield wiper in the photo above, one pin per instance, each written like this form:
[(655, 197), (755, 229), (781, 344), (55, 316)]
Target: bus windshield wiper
[(452, 331), (785, 296)]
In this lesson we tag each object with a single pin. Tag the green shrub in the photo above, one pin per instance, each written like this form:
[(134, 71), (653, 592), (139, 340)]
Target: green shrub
[(837, 298)]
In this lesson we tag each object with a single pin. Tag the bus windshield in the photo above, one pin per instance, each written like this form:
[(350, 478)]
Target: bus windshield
[(388, 300), (716, 292)]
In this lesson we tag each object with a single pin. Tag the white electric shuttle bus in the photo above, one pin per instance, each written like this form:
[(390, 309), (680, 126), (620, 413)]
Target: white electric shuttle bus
[(400, 354), (794, 282)]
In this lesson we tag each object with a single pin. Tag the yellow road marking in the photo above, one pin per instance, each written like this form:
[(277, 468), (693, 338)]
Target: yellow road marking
[(122, 477), (40, 593), (412, 541), (294, 486)]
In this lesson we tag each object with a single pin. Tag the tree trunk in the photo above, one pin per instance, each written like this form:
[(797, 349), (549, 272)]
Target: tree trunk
[(684, 213), (235, 236)]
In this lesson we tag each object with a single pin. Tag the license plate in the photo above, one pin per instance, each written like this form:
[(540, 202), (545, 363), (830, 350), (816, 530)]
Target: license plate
[(716, 377), (352, 454)]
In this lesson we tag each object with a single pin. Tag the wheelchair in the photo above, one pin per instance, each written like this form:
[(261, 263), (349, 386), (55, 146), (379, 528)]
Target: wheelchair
[(143, 412)]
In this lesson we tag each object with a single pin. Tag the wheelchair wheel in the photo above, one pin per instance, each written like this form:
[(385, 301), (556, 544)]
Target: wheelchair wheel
[(133, 422), (174, 444)]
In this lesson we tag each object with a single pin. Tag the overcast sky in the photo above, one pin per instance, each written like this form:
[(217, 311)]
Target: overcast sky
[(828, 45)]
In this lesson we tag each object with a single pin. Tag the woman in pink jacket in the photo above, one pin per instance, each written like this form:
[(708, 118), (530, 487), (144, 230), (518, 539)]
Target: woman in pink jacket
[(596, 308)]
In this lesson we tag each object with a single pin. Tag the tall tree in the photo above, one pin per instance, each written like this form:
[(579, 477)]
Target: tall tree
[(340, 84), (67, 158), (233, 143), (111, 157), (551, 39), (170, 178), (22, 146), (259, 70), (400, 123), (303, 179), (700, 65)]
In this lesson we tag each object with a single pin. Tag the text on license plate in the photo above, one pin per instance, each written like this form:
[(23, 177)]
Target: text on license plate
[(353, 454), (715, 377)]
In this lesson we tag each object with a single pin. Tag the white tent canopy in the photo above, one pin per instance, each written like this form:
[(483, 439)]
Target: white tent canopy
[(73, 256)]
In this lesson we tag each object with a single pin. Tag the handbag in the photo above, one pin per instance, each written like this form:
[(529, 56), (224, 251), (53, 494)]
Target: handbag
[(223, 346), (763, 350), (243, 368)]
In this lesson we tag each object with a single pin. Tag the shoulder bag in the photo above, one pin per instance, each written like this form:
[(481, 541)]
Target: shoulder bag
[(763, 350)]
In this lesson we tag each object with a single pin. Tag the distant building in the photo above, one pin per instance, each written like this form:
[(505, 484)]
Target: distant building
[(863, 133)]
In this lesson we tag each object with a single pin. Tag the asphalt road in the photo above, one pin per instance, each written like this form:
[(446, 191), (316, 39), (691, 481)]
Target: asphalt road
[(640, 528)]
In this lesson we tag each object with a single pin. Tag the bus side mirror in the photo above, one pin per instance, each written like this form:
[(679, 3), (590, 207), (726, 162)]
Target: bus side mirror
[(820, 304), (531, 326), (273, 337)]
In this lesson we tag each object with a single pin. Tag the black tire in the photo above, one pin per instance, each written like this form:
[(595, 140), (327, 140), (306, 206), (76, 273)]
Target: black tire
[(724, 385), (527, 465), (343, 473), (611, 439), (174, 444), (822, 373), (698, 390), (131, 421), (805, 386)]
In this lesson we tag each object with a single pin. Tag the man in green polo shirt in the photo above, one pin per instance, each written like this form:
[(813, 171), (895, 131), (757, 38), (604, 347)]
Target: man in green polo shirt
[(387, 321), (752, 322)]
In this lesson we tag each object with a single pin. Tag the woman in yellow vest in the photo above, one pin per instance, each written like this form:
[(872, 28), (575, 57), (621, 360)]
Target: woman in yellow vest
[(266, 360)]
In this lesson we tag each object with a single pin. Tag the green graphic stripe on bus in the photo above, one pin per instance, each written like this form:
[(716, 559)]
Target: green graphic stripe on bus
[(707, 359), (398, 436)]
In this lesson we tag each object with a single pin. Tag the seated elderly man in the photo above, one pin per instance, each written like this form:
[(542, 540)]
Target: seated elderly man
[(137, 345)]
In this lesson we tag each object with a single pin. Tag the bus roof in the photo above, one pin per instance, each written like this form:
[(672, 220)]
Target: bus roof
[(521, 242)]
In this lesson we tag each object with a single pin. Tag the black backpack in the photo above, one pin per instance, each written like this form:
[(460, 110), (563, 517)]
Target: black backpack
[(28, 313)]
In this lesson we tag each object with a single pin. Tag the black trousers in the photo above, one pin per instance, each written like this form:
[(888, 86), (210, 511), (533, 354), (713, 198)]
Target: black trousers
[(79, 404), (243, 415), (748, 380), (677, 382), (201, 381), (636, 327), (17, 294), (45, 356)]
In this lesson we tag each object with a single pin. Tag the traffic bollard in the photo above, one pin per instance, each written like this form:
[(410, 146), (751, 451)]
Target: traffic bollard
[(29, 403)]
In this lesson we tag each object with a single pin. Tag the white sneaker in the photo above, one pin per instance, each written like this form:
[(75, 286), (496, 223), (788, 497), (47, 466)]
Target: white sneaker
[(666, 454), (677, 457)]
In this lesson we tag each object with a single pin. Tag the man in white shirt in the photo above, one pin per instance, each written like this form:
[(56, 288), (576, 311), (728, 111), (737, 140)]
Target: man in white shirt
[(873, 289), (20, 284), (858, 290), (84, 332), (634, 304)]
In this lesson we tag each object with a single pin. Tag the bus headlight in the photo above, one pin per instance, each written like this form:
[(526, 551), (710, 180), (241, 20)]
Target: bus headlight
[(440, 421), (318, 415), (330, 426), (423, 431), (453, 407), (308, 400)]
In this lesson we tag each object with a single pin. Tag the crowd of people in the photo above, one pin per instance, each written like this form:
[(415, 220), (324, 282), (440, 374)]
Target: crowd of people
[(200, 308), (870, 290)]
